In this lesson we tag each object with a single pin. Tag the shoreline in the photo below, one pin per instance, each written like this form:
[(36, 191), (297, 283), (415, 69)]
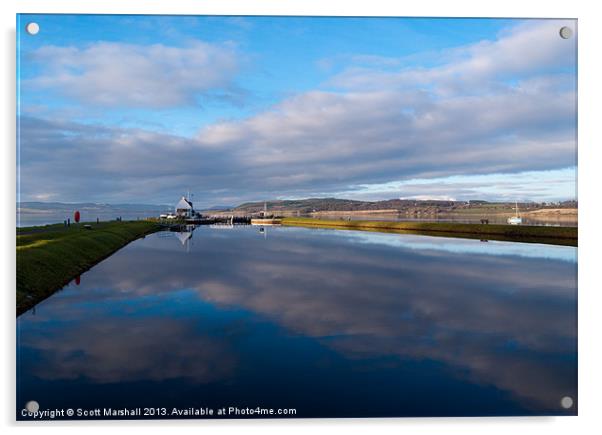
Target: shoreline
[(543, 215), (50, 257), (566, 236), (568, 213)]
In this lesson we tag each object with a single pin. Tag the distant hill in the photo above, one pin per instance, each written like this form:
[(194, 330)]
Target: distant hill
[(219, 208), (333, 204)]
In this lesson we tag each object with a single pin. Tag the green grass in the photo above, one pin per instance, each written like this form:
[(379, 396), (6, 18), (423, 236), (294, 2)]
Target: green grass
[(49, 257), (514, 233)]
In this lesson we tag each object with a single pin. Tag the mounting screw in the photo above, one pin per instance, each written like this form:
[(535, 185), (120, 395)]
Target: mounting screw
[(32, 406), (32, 28), (566, 402), (566, 32)]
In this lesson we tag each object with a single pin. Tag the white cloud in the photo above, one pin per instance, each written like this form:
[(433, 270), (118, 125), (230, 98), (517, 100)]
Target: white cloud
[(125, 75), (376, 136), (44, 196), (520, 51), (464, 116), (553, 185)]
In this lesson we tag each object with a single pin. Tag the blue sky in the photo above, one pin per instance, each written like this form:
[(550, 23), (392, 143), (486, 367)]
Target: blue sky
[(144, 108)]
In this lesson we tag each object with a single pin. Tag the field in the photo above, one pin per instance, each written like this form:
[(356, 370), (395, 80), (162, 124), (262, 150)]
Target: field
[(515, 233), (49, 257)]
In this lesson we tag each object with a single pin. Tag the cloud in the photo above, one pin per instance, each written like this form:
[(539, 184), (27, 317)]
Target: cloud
[(550, 185), (122, 352), (505, 107), (496, 106), (110, 74), (93, 162), (379, 135), (520, 51)]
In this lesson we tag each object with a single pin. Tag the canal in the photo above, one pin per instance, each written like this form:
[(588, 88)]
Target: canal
[(330, 323)]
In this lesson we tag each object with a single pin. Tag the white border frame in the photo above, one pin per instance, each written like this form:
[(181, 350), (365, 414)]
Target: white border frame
[(590, 34)]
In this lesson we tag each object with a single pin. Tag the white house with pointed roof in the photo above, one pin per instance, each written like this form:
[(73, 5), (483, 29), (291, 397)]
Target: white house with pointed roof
[(184, 208)]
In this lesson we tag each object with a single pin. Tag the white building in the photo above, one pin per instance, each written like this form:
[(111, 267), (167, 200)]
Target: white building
[(184, 208)]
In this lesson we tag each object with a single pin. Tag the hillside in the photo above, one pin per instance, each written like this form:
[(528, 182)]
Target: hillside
[(332, 205)]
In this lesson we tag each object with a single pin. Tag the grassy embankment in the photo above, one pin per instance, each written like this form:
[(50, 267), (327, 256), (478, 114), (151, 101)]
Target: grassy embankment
[(49, 257), (514, 233)]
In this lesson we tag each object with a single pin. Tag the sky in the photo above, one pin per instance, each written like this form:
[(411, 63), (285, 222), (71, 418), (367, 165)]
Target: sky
[(143, 109)]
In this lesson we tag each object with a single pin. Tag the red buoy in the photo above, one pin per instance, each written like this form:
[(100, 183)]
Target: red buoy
[(76, 216)]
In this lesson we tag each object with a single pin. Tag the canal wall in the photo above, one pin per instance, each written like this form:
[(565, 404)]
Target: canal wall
[(514, 233)]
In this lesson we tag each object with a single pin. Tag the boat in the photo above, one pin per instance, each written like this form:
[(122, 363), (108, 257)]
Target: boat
[(265, 219), (516, 219)]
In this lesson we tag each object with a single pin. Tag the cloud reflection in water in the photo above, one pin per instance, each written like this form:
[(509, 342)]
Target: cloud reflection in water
[(498, 315)]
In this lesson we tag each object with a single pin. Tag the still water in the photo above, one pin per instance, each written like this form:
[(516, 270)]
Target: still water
[(330, 323)]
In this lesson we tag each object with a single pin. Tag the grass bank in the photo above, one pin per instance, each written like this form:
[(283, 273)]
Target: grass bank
[(51, 256), (514, 233)]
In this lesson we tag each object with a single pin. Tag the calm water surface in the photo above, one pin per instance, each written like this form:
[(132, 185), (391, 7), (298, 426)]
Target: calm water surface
[(332, 323)]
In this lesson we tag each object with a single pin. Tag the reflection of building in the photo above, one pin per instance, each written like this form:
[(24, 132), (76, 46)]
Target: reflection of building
[(184, 208), (184, 236)]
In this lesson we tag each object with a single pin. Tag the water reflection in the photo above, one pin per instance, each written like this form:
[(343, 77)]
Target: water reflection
[(464, 246), (335, 322), (126, 351)]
